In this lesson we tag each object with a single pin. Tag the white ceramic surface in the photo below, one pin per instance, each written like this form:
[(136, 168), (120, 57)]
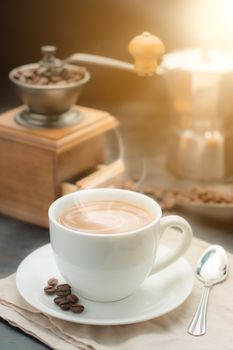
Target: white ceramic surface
[(158, 294), (103, 267)]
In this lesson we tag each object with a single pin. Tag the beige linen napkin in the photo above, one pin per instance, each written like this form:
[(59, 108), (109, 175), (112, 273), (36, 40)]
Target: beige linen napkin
[(166, 332)]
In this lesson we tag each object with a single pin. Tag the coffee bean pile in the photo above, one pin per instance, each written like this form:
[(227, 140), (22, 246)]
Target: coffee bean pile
[(168, 199), (35, 77), (65, 299), (206, 195)]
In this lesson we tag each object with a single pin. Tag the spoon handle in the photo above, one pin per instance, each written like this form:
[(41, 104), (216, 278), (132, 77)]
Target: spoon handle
[(198, 323)]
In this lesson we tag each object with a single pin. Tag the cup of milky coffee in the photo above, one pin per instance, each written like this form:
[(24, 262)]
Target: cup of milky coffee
[(105, 241)]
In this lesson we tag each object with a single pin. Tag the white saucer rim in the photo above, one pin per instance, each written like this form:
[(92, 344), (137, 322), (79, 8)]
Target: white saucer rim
[(59, 314)]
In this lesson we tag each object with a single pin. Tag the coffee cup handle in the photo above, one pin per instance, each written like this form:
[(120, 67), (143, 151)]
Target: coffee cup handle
[(180, 223)]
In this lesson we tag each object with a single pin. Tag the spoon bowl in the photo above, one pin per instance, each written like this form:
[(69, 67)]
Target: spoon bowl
[(212, 267)]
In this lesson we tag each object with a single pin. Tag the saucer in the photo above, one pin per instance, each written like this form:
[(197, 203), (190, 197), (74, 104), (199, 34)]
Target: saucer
[(159, 294)]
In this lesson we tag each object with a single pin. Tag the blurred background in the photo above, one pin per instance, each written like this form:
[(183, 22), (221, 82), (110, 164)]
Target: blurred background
[(105, 28)]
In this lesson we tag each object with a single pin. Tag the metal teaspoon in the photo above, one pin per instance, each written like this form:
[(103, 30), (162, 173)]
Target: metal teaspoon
[(211, 268)]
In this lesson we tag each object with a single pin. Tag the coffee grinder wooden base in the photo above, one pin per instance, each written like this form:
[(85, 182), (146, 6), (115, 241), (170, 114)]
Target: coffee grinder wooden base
[(37, 165)]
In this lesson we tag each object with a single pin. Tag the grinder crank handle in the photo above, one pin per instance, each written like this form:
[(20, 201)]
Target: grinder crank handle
[(146, 49), (100, 60)]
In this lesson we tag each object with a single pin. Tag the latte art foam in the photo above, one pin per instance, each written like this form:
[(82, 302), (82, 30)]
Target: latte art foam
[(105, 217)]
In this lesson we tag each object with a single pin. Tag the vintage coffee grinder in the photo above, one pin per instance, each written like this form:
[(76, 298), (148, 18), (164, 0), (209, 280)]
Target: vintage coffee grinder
[(49, 146), (48, 142)]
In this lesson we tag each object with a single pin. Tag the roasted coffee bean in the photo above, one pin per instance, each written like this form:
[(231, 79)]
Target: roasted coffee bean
[(50, 289), (206, 198), (22, 79), (169, 201), (72, 298), (64, 301), (227, 199), (63, 287), (77, 309), (158, 193), (129, 185), (28, 73), (52, 281), (65, 307), (55, 79), (181, 198), (149, 191), (162, 206), (61, 82), (36, 80), (43, 81), (217, 197), (61, 293), (58, 300), (195, 199)]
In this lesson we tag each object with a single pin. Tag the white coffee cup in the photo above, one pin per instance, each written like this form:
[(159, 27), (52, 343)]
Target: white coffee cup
[(109, 267)]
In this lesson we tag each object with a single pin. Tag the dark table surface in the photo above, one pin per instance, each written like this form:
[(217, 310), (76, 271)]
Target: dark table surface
[(18, 239)]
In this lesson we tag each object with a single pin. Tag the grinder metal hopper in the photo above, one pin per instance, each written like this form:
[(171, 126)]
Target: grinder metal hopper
[(49, 89)]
